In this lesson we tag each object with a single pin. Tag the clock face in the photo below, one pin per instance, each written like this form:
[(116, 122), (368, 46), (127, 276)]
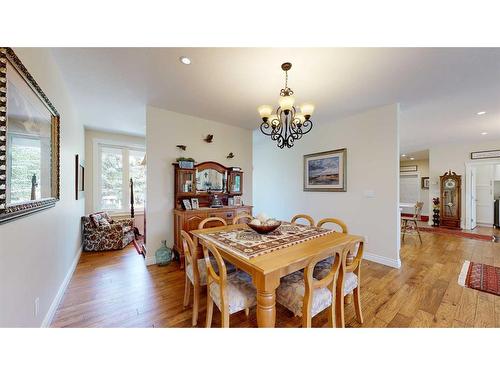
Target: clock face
[(449, 183)]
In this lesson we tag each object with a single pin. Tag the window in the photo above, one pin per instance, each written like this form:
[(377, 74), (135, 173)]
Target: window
[(116, 165)]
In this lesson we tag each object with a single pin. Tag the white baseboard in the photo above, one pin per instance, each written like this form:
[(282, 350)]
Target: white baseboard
[(60, 293), (394, 263), (150, 261)]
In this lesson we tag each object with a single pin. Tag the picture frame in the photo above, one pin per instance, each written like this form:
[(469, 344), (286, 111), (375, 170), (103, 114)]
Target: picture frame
[(491, 154), (79, 177), (408, 168), (230, 201), (238, 201), (28, 120), (195, 204), (187, 204), (326, 171), (425, 183)]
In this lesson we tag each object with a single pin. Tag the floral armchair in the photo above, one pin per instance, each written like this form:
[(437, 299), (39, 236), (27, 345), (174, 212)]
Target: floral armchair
[(100, 232)]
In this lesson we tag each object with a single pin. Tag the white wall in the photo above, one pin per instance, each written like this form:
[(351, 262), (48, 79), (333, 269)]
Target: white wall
[(453, 156), (423, 170), (38, 251), (372, 142), (165, 130)]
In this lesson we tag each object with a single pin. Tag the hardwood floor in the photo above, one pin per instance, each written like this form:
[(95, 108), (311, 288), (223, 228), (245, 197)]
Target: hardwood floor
[(115, 289)]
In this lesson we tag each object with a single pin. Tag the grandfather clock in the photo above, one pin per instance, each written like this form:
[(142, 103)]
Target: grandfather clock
[(450, 184)]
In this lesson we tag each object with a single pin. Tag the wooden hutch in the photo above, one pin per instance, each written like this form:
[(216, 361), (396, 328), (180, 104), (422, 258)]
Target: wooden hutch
[(206, 182)]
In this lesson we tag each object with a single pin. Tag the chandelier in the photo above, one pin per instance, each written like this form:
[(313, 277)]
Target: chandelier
[(287, 124)]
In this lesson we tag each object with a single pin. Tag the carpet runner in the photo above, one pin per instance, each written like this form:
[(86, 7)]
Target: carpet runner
[(481, 277), (457, 233)]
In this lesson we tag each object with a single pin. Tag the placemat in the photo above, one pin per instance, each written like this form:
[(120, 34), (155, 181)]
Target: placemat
[(249, 244)]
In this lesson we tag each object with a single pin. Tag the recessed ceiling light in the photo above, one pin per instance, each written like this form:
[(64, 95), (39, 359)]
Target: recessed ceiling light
[(185, 60), (481, 113), (404, 155), (484, 133), (412, 158)]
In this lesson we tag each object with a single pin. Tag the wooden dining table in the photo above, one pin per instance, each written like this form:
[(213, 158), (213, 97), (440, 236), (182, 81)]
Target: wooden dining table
[(267, 269)]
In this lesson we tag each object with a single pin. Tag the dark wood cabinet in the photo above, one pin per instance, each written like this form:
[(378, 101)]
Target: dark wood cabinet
[(235, 182), (202, 183), (451, 189)]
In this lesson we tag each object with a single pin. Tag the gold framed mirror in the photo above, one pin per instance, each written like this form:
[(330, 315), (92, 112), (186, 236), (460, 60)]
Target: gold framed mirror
[(29, 142)]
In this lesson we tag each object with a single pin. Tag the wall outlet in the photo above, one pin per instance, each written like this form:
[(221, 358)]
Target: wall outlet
[(37, 305)]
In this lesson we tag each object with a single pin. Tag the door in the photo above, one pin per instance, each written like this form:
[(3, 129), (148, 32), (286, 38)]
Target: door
[(484, 194), (409, 190), (473, 198)]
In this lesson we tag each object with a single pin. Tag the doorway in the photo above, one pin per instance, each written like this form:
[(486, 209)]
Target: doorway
[(482, 189)]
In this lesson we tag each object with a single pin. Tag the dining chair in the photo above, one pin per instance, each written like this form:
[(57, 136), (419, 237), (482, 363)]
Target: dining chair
[(307, 296), (350, 278), (219, 220), (230, 267), (405, 221), (337, 223), (230, 292), (308, 218), (196, 274), (238, 218)]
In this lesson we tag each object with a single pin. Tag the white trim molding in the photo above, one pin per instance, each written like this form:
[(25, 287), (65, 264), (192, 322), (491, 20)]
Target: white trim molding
[(394, 263), (150, 260), (60, 293)]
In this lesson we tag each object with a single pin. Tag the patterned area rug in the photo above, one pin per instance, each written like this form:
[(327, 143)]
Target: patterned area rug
[(249, 244), (481, 277), (457, 233)]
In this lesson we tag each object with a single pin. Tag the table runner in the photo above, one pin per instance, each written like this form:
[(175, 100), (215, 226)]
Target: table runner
[(249, 244)]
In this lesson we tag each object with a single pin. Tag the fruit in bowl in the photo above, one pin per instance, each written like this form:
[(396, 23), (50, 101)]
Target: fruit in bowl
[(264, 226)]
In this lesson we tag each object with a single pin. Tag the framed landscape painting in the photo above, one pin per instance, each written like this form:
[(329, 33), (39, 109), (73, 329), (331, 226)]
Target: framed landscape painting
[(326, 171)]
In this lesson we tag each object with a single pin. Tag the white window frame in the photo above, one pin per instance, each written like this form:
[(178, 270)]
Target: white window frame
[(98, 144)]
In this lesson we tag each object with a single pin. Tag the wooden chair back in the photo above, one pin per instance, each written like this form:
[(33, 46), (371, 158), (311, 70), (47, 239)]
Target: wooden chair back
[(418, 210), (211, 220), (238, 218), (308, 218), (212, 276), (335, 221), (190, 255), (354, 263), (310, 283)]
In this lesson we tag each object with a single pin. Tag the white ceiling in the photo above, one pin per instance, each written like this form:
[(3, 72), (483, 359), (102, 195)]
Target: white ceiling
[(440, 89), (416, 155)]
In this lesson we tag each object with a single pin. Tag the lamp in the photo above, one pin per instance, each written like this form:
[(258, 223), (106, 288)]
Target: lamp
[(286, 125)]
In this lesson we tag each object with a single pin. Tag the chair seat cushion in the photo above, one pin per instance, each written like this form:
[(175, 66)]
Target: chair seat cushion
[(240, 292), (291, 292), (323, 268), (202, 270)]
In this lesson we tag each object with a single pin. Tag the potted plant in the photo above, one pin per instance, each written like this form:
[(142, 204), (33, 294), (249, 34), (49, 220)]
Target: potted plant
[(187, 163)]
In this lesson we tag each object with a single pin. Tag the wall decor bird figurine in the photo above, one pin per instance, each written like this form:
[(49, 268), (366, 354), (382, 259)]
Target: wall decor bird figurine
[(182, 147), (230, 155), (209, 138)]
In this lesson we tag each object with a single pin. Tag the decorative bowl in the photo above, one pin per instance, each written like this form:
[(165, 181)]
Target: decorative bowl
[(264, 229)]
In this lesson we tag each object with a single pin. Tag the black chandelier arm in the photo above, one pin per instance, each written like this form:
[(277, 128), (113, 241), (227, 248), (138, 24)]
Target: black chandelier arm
[(286, 128), (266, 128), (306, 126)]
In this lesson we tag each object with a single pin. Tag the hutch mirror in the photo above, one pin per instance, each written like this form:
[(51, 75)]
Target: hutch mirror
[(209, 180)]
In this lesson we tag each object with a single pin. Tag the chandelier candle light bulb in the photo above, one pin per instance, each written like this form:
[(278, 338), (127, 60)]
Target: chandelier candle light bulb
[(286, 103), (286, 125), (307, 110), (265, 111)]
